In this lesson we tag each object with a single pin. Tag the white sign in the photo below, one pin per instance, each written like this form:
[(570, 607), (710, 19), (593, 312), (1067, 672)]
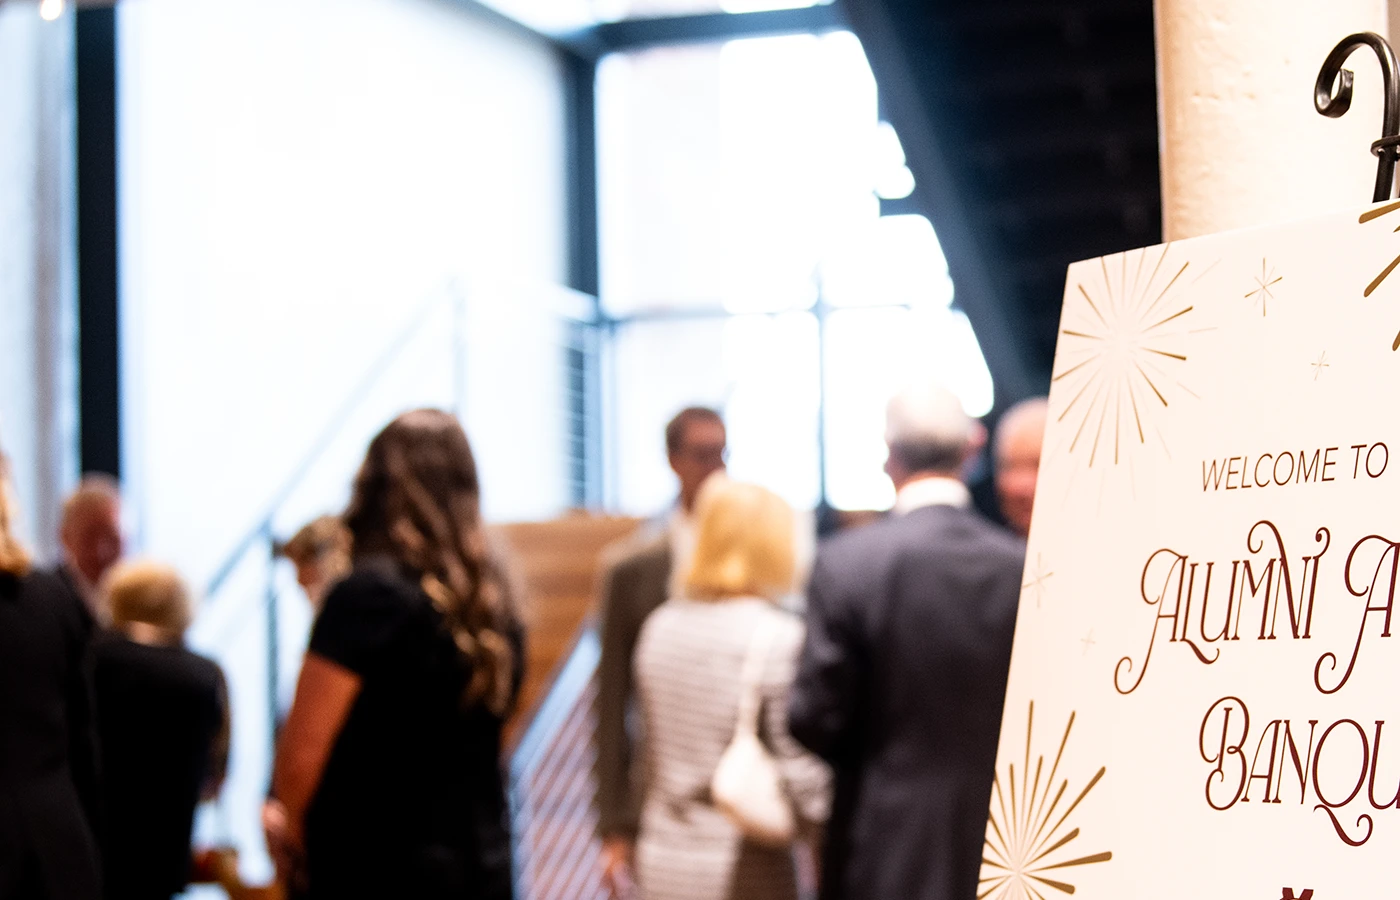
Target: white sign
[(1204, 699)]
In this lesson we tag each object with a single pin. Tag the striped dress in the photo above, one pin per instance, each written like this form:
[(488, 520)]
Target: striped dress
[(687, 664)]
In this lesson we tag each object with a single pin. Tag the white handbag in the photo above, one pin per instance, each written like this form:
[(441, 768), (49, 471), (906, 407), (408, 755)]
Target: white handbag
[(747, 785)]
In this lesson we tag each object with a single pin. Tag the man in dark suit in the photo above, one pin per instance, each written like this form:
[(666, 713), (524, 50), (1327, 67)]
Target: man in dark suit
[(901, 679), (163, 726), (638, 576), (91, 534)]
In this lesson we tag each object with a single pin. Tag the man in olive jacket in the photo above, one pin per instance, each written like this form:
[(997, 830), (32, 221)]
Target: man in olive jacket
[(902, 675), (638, 576)]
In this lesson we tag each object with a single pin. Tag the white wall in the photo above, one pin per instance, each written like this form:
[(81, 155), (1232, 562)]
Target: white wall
[(309, 190), (37, 398), (296, 180)]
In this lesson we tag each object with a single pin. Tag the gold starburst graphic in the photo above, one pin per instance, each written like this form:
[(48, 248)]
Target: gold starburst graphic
[(1025, 855), (1122, 351), (1376, 282)]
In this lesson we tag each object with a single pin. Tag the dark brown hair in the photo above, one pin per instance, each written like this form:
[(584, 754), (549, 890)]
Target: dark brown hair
[(417, 500), (676, 428)]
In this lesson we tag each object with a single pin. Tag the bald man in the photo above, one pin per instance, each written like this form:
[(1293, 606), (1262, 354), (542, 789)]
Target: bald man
[(901, 679), (91, 535), (1017, 449)]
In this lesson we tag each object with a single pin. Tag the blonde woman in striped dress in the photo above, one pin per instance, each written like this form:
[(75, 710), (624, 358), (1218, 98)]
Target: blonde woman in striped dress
[(688, 667)]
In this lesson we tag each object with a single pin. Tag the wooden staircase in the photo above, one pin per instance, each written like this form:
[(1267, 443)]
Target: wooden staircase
[(558, 561), (549, 740)]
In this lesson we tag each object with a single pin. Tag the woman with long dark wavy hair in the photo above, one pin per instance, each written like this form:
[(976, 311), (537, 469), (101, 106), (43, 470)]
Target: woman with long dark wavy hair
[(388, 765)]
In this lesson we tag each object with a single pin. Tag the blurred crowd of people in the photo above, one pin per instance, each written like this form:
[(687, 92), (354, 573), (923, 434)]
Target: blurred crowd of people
[(386, 781), (879, 685), (767, 726), (111, 731)]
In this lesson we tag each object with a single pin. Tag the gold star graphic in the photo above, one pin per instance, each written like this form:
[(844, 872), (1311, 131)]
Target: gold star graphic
[(1036, 584), (1266, 280), (1321, 364)]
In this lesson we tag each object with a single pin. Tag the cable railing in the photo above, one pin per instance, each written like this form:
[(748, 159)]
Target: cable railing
[(553, 822)]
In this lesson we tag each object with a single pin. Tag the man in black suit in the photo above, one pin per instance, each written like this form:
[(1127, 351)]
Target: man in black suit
[(48, 785), (163, 725), (901, 679)]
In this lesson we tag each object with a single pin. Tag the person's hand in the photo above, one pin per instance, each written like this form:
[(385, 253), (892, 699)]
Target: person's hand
[(284, 849), (616, 860)]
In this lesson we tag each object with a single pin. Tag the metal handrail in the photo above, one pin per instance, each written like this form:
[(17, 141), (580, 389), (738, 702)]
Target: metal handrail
[(570, 304), (574, 675), (356, 396), (560, 704)]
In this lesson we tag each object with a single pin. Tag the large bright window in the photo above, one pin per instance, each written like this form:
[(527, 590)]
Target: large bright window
[(729, 172), (761, 370), (742, 179)]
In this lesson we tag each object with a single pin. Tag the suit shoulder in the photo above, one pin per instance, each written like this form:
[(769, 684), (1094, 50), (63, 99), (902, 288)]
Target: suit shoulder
[(207, 670), (999, 542), (894, 536), (636, 552), (859, 542), (997, 536), (54, 591), (48, 583)]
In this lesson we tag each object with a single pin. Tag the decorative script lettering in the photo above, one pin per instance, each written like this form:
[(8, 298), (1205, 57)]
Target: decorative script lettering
[(1206, 608)]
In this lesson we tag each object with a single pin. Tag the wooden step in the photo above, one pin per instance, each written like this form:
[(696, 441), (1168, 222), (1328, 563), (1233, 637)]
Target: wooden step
[(558, 561)]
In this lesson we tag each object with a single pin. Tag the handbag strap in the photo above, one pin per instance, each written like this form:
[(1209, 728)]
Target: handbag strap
[(751, 679)]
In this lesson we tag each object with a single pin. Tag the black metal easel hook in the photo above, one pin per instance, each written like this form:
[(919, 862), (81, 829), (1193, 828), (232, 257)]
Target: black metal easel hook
[(1388, 147)]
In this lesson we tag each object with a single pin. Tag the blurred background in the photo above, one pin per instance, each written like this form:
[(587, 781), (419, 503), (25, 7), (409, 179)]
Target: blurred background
[(240, 235)]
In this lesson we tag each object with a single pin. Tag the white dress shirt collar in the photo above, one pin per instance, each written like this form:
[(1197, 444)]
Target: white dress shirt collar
[(680, 533), (933, 490)]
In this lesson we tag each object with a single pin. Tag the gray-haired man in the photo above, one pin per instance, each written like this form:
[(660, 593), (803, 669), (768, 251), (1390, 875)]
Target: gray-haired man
[(901, 679)]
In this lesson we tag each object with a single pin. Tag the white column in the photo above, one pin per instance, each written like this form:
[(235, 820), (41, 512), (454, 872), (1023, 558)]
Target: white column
[(1241, 142), (37, 328)]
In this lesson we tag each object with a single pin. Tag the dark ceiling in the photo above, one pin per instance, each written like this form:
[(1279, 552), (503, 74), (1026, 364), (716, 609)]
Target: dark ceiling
[(1031, 128)]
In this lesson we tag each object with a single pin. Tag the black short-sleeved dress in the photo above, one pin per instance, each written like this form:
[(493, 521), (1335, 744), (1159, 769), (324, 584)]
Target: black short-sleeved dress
[(412, 801)]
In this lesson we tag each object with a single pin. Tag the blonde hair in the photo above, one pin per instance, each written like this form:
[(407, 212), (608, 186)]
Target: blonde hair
[(323, 538), (151, 593), (744, 542), (14, 559)]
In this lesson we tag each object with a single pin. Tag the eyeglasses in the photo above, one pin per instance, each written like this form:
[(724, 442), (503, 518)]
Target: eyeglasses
[(716, 454)]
